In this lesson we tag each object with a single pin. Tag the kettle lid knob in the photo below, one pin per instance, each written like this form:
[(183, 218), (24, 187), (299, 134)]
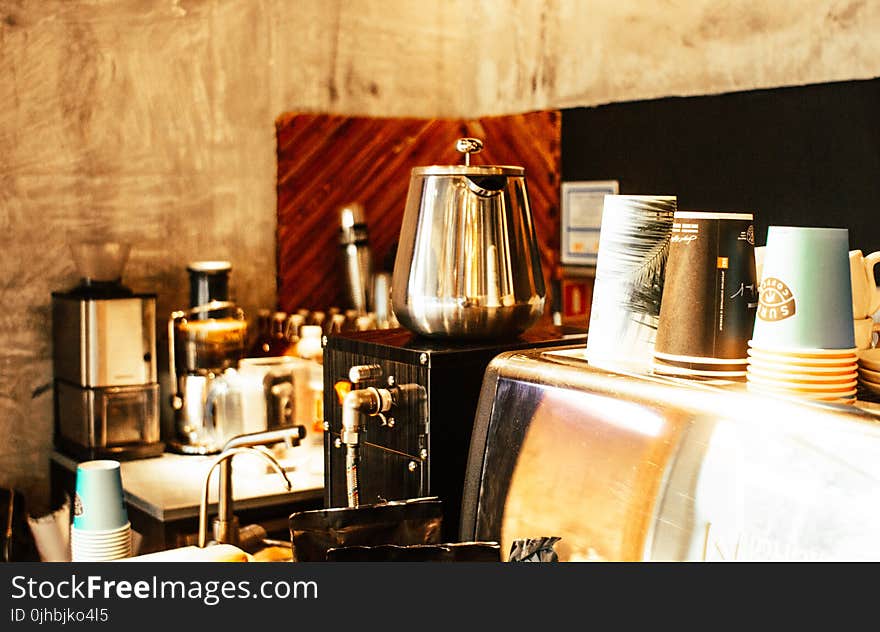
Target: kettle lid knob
[(468, 146)]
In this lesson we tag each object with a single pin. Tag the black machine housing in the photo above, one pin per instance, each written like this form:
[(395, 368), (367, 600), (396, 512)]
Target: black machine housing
[(420, 447)]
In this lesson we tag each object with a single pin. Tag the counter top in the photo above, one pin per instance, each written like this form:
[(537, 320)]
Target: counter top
[(170, 487)]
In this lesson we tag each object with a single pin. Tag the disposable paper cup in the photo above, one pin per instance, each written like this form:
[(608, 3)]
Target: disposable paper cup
[(628, 288), (806, 361), (808, 373), (818, 395), (107, 550), (804, 387), (103, 543), (827, 392), (100, 533), (100, 558), (806, 378), (802, 352), (701, 364), (805, 297), (710, 291), (678, 371), (99, 503)]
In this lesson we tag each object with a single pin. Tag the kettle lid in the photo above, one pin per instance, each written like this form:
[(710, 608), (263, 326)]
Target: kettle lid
[(468, 146)]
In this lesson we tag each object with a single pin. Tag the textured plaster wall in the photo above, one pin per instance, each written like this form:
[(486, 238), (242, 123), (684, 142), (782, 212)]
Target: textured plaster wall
[(152, 120)]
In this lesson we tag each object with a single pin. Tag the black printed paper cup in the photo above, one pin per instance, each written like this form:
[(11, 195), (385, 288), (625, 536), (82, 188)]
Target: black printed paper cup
[(710, 294)]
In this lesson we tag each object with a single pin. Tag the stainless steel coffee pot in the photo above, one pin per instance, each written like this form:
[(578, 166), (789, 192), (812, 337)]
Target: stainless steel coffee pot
[(468, 264)]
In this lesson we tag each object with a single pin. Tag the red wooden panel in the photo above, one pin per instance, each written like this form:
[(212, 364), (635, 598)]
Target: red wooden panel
[(327, 161)]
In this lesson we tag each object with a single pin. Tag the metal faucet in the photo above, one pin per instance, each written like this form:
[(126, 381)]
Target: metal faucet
[(226, 524)]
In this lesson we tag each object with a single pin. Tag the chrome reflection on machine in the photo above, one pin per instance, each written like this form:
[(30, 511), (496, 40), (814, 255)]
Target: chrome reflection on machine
[(632, 466)]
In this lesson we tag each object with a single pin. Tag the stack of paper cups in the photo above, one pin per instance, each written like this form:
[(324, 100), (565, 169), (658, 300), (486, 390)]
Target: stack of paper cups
[(100, 531), (803, 343)]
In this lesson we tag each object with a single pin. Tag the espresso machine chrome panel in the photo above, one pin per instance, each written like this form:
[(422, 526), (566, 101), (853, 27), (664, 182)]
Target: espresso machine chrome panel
[(632, 466)]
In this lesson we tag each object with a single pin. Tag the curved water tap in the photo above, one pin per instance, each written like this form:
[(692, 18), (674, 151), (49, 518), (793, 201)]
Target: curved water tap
[(226, 458)]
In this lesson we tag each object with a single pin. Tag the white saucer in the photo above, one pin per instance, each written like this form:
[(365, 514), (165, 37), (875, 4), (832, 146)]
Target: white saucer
[(868, 375), (870, 358), (871, 386)]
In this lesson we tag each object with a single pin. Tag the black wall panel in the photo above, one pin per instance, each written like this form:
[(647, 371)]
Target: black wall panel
[(801, 156)]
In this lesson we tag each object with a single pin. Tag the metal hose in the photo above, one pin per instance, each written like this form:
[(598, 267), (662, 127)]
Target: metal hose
[(352, 460)]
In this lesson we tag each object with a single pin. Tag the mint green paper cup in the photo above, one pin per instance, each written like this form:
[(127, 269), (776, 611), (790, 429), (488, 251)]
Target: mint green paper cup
[(99, 504), (805, 294)]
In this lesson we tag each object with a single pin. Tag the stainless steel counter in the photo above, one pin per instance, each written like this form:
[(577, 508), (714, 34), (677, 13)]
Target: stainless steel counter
[(169, 487)]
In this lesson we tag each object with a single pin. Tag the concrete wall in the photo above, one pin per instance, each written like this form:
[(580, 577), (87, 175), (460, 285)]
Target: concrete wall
[(152, 120)]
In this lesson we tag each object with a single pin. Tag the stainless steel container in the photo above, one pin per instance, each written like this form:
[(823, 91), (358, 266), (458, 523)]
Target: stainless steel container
[(467, 262), (357, 257)]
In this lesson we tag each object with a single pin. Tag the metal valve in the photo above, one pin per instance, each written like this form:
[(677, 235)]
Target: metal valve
[(362, 372)]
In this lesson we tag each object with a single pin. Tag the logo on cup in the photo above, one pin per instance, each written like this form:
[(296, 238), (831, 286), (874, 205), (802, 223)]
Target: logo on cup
[(775, 301), (77, 505)]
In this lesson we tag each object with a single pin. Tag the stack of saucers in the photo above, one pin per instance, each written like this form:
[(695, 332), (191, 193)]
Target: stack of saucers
[(829, 375), (87, 545), (869, 370)]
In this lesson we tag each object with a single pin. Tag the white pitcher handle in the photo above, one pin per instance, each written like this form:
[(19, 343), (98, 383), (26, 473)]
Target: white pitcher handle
[(871, 261)]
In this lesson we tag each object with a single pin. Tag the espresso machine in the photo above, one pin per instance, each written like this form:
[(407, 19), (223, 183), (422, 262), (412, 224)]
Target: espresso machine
[(204, 341), (399, 404), (619, 465), (106, 393)]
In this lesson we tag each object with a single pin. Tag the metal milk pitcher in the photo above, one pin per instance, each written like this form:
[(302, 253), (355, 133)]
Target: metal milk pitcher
[(468, 264)]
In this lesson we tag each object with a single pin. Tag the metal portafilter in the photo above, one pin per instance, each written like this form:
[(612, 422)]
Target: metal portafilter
[(356, 255)]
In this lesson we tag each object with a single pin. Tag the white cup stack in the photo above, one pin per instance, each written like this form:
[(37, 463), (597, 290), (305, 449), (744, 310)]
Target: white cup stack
[(100, 546), (100, 531)]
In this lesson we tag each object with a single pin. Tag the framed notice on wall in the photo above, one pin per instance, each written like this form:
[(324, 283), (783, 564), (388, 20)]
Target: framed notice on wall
[(581, 204)]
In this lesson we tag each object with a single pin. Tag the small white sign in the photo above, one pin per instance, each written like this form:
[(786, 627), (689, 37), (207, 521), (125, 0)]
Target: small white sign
[(582, 204)]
